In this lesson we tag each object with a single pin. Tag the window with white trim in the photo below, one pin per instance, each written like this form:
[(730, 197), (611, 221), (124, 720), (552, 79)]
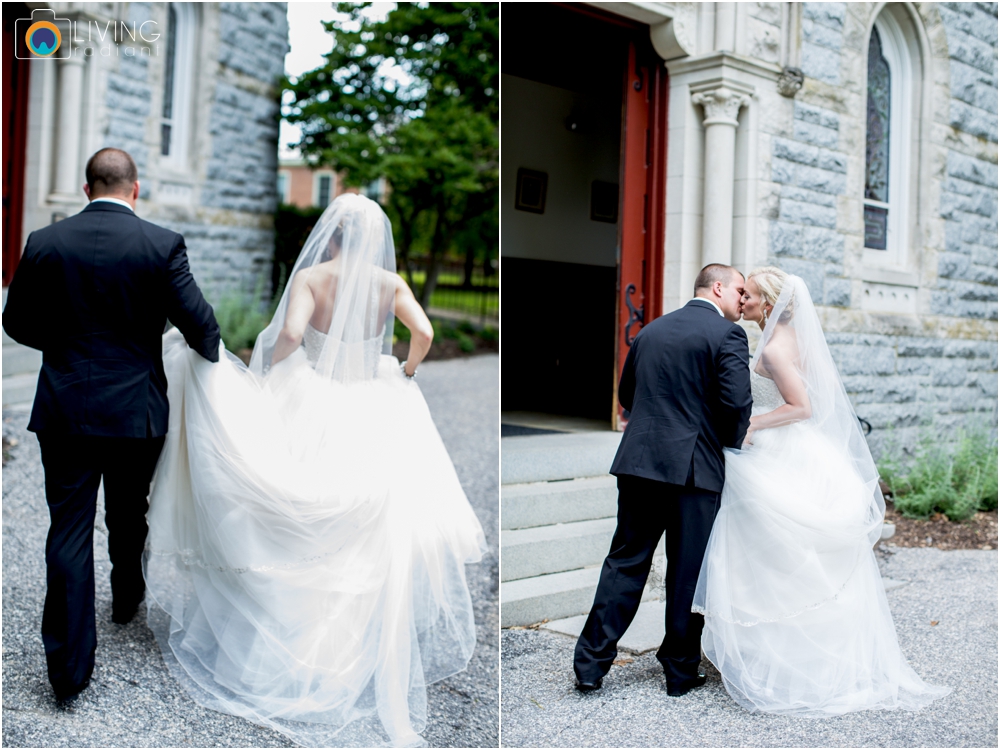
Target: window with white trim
[(324, 188), (375, 189), (177, 84), (283, 185), (887, 144)]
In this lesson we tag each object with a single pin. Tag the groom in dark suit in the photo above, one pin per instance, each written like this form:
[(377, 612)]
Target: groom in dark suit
[(686, 384), (94, 293)]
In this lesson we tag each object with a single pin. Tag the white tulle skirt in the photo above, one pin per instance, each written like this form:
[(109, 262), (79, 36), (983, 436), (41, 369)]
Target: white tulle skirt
[(307, 549), (796, 617)]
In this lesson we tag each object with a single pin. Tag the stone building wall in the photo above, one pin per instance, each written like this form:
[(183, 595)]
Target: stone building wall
[(903, 371), (225, 209)]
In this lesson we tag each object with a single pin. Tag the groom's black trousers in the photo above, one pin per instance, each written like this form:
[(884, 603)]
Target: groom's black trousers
[(646, 510), (74, 466)]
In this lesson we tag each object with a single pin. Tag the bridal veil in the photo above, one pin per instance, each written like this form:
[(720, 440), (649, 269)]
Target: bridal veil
[(308, 532), (796, 616)]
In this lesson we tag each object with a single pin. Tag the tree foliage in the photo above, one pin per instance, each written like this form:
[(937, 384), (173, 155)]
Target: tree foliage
[(413, 98)]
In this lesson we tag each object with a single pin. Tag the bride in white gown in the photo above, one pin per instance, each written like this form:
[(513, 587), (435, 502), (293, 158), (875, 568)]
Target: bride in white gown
[(308, 535), (796, 617)]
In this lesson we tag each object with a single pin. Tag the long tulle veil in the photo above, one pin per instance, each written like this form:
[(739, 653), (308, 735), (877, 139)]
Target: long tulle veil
[(349, 259), (796, 616), (832, 411), (305, 562)]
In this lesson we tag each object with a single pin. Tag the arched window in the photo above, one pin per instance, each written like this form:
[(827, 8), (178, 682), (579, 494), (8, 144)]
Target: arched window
[(888, 144), (177, 84)]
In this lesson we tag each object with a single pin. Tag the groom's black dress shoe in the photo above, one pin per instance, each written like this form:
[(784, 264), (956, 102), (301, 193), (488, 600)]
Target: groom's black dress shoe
[(588, 687), (122, 614), (65, 694), (682, 688)]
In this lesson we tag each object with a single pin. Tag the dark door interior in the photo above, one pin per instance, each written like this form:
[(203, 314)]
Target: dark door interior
[(559, 318)]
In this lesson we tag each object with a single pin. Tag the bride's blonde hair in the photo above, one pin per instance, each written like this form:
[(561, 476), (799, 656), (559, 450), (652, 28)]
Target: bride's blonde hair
[(770, 280)]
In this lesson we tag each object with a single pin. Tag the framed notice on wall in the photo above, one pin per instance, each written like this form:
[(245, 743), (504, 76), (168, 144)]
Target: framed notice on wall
[(531, 188), (604, 201)]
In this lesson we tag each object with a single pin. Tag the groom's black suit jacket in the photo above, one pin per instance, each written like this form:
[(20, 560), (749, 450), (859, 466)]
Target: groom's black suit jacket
[(94, 293), (686, 383)]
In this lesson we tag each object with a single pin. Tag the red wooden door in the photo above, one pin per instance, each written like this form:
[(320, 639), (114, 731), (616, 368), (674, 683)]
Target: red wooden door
[(15, 121), (642, 214)]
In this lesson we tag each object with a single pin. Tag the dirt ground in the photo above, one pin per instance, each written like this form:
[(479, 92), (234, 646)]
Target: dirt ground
[(979, 532)]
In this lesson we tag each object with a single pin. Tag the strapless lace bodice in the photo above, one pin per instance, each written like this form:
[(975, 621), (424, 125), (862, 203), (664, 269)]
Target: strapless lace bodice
[(766, 396), (313, 341)]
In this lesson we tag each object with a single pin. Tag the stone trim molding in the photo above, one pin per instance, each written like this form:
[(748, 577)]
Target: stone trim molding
[(723, 64)]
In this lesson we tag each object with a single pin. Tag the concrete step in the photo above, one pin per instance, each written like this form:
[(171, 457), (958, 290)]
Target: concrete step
[(553, 549), (19, 389), (644, 634), (545, 503), (545, 458), (551, 597), (18, 360)]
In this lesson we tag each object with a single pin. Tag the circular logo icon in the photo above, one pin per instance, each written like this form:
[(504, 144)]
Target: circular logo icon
[(43, 38)]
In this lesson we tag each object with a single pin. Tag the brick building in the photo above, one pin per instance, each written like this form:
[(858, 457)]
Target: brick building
[(304, 186)]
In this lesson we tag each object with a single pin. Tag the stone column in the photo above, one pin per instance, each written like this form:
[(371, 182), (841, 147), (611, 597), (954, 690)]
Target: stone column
[(66, 147), (721, 109)]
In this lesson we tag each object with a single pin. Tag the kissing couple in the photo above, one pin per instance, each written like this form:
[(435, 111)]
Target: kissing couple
[(762, 481), (304, 561)]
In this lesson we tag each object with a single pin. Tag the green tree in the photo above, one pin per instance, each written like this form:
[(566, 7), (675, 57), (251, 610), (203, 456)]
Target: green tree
[(413, 99)]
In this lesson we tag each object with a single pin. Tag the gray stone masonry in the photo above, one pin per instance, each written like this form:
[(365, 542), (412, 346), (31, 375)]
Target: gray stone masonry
[(822, 37), (967, 270), (129, 103), (229, 228), (899, 383)]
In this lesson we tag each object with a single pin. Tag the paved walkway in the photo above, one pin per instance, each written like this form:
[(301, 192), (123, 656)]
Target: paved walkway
[(956, 590), (132, 700)]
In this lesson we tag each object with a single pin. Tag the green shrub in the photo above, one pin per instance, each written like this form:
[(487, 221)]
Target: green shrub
[(444, 329), (240, 321), (399, 331), (489, 333), (465, 343), (292, 226), (956, 481)]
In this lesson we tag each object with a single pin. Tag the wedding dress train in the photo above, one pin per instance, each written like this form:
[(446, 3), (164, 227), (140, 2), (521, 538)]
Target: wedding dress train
[(796, 616), (307, 545)]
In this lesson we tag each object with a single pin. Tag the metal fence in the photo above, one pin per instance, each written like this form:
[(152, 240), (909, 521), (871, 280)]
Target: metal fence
[(477, 301)]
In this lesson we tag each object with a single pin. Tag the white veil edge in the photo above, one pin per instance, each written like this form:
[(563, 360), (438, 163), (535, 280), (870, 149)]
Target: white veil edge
[(352, 241), (832, 411)]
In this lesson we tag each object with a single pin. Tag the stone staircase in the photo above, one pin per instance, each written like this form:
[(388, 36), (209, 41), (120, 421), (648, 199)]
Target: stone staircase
[(20, 370), (558, 508)]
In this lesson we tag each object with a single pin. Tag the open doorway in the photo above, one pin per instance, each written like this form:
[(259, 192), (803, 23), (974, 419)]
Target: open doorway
[(580, 90)]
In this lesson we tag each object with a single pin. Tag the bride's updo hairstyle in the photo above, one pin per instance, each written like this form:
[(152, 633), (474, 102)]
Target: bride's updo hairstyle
[(770, 280)]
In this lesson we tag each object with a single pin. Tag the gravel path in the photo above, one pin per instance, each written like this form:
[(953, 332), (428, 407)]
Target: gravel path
[(133, 702), (955, 589)]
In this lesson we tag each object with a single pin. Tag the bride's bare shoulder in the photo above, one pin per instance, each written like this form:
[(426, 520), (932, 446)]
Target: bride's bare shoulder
[(782, 346)]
